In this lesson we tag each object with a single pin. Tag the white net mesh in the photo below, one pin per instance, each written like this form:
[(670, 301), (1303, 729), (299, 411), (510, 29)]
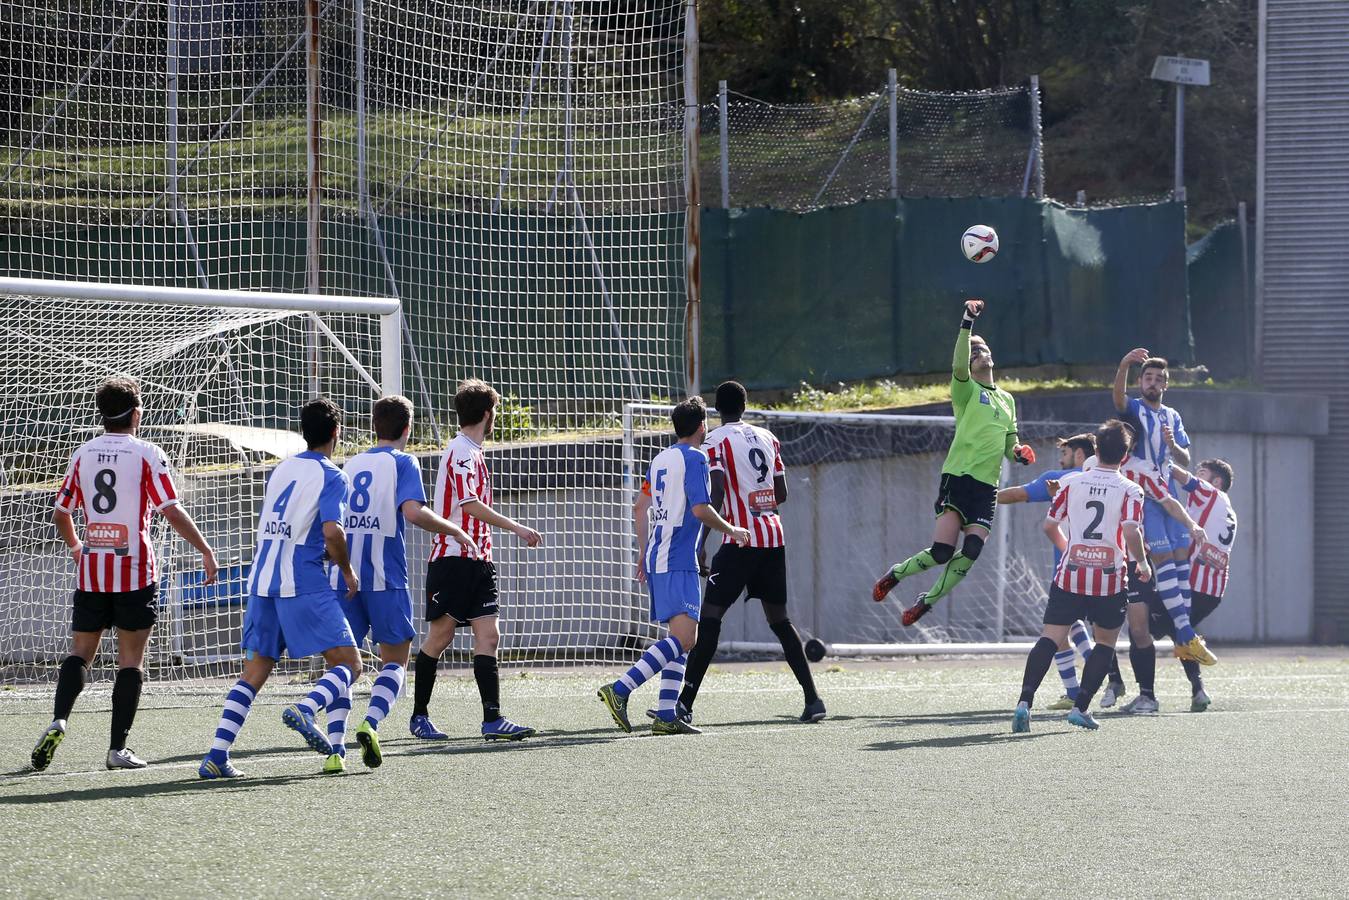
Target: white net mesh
[(806, 156)]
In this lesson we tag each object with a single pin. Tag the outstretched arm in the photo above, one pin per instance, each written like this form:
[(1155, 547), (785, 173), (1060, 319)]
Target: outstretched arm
[(1120, 390), (1177, 512), (961, 388), (484, 513), (420, 514), (180, 521)]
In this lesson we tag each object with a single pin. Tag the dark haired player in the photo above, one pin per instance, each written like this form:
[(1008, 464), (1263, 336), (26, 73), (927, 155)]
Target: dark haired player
[(967, 499), (116, 481), (461, 586)]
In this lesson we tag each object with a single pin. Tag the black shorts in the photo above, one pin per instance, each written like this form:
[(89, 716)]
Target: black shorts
[(971, 498), (1160, 623), (759, 572), (460, 587), (1065, 608), (127, 610), (1140, 591)]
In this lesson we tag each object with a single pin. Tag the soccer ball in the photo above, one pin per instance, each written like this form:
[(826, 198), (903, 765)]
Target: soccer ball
[(815, 649), (980, 243)]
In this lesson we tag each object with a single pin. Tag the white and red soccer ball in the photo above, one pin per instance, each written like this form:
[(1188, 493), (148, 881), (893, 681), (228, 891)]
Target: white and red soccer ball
[(980, 243)]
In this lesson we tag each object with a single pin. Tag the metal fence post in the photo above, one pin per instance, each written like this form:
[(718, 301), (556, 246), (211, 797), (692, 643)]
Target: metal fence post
[(892, 96), (1037, 140), (723, 145)]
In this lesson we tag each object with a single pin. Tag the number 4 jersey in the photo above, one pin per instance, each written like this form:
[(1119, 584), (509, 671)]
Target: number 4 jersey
[(1095, 505), (303, 492), (117, 480), (749, 458)]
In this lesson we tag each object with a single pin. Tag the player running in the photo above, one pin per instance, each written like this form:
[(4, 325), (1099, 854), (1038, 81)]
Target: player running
[(291, 607), (749, 483), (116, 481), (1073, 453), (967, 499), (386, 494), (461, 586), (1162, 438), (1210, 557), (671, 509), (1103, 513)]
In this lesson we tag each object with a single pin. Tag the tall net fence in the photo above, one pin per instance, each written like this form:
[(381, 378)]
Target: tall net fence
[(806, 156)]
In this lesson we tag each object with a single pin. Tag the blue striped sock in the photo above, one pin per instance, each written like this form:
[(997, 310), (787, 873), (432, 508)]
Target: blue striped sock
[(1168, 588), (671, 682), (387, 687), (337, 720), (657, 656), (1066, 660), (237, 704), (1081, 639), (328, 689)]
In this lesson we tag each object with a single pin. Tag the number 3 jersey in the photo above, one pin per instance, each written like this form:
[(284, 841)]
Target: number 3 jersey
[(303, 492), (382, 480), (117, 481), (1210, 561), (749, 458), (1095, 506)]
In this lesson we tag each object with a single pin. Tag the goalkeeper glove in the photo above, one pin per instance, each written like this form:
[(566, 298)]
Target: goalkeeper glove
[(1024, 454)]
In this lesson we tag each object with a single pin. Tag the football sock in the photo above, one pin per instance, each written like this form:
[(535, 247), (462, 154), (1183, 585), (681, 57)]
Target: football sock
[(919, 562), (1093, 673), (1144, 662), (657, 656), (1168, 588), (795, 652), (489, 685), (699, 658), (1116, 676), (237, 703), (1183, 583), (950, 577), (387, 687), (338, 711), (72, 679), (328, 689), (1192, 672), (1039, 659), (424, 681), (126, 698), (671, 678), (1077, 634), (1066, 661)]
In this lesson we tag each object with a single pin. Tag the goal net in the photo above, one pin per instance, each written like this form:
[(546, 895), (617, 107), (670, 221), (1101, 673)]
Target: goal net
[(860, 498)]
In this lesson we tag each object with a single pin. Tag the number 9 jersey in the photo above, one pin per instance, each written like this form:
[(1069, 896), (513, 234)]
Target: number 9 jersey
[(1095, 505), (749, 458), (117, 480)]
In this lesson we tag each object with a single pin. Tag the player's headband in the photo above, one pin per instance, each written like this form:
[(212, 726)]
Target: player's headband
[(123, 414)]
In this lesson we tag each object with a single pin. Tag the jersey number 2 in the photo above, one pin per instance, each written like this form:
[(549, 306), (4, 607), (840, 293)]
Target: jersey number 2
[(1098, 512)]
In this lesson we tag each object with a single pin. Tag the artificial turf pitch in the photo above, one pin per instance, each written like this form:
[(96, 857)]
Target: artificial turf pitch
[(913, 786)]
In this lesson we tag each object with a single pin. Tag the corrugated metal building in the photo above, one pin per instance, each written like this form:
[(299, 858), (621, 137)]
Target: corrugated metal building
[(1302, 272)]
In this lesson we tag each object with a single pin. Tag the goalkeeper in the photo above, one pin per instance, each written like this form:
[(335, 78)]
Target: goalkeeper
[(985, 433)]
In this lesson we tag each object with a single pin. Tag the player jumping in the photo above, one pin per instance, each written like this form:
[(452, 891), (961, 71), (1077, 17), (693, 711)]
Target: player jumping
[(116, 481), (1103, 513), (966, 501), (671, 509)]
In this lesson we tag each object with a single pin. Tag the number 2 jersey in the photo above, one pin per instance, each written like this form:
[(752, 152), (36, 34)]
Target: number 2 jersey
[(117, 481), (1209, 561), (382, 480), (1095, 505), (303, 492), (749, 458)]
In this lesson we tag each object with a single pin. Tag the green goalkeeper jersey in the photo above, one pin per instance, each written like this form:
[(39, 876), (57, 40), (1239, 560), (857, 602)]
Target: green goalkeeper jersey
[(985, 421)]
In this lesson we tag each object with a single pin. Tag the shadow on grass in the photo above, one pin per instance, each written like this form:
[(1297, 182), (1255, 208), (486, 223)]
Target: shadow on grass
[(178, 787), (959, 740)]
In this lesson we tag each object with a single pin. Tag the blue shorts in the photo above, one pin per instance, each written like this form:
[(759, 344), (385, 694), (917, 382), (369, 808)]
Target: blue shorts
[(673, 593), (385, 615), (1162, 533), (297, 626)]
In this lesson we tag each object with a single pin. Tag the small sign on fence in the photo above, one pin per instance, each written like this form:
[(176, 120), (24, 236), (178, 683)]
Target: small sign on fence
[(1180, 70)]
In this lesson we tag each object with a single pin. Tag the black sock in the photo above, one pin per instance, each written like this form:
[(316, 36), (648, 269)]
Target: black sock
[(424, 681), (1192, 672), (700, 657), (1144, 661), (126, 698), (1116, 676), (1038, 661), (489, 686), (1093, 674), (74, 675), (796, 657)]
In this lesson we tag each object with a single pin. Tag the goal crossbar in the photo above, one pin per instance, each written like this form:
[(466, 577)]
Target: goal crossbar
[(180, 296)]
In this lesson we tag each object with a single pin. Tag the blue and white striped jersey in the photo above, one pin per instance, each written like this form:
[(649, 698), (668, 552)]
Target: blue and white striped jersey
[(678, 481), (382, 479), (1152, 447), (303, 492)]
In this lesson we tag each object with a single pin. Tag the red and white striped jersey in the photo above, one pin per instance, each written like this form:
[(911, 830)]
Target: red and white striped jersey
[(117, 481), (1210, 561), (1140, 472), (462, 477), (750, 458), (1095, 505)]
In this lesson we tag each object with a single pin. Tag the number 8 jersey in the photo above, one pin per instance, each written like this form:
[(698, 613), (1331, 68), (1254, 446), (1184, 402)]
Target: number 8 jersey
[(117, 480), (1095, 505), (749, 458)]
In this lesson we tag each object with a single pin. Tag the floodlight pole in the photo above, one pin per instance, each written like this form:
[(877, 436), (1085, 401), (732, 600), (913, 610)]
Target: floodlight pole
[(313, 254), (693, 356), (1180, 143)]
